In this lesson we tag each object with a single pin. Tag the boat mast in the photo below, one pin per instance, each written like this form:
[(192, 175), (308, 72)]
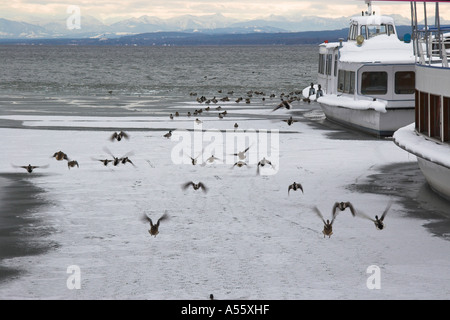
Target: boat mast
[(369, 8)]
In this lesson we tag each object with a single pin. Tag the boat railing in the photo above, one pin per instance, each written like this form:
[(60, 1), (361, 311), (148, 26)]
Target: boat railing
[(433, 46)]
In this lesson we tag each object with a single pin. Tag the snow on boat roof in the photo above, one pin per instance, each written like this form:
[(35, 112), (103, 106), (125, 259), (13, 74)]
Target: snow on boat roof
[(380, 49), (373, 20), (407, 139)]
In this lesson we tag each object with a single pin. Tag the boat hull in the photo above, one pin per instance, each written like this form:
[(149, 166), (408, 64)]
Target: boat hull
[(437, 176), (380, 124)]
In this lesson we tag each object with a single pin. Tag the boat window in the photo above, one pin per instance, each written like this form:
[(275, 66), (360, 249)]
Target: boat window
[(416, 110), (352, 83), (376, 30), (364, 31), (423, 112), (374, 83), (335, 64), (346, 81), (405, 82), (329, 63), (390, 29), (321, 63), (446, 107), (353, 32), (435, 116), (341, 79)]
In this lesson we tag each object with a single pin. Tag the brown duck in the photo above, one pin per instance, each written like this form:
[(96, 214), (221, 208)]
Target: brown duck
[(72, 164), (119, 136), (342, 206), (60, 156), (327, 225), (379, 222), (196, 186), (30, 168), (154, 227), (295, 186)]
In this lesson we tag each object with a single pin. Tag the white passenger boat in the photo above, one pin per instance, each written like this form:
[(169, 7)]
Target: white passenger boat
[(428, 137), (368, 80)]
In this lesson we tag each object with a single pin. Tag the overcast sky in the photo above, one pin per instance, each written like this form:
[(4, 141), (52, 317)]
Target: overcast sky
[(114, 10)]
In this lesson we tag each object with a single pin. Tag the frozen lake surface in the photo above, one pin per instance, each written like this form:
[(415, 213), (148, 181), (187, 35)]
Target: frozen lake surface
[(247, 237)]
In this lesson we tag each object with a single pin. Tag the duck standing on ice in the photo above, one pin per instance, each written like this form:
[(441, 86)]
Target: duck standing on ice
[(168, 134)]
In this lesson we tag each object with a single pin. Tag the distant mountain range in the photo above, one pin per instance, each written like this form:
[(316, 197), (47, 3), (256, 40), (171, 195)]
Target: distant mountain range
[(210, 24)]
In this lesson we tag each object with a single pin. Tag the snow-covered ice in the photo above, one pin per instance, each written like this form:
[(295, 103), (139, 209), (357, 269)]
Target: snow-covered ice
[(244, 239)]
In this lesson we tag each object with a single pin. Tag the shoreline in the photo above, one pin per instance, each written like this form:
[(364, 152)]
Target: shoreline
[(18, 200)]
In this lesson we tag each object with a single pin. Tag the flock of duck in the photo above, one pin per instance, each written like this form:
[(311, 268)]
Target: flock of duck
[(286, 101)]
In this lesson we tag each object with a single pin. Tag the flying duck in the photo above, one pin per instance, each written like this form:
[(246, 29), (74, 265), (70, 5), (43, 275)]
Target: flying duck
[(327, 225), (240, 164), (194, 160), (379, 222), (212, 159), (290, 121), (124, 160), (283, 104), (196, 186), (342, 206), (241, 154), (154, 227), (72, 164), (117, 160), (60, 156), (105, 161), (295, 186), (119, 135), (262, 163), (30, 168)]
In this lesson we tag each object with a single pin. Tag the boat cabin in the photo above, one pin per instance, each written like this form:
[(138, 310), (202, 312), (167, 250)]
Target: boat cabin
[(432, 96), (372, 63)]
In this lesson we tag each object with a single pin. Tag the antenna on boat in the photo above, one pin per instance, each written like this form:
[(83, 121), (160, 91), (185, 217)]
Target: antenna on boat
[(369, 8)]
